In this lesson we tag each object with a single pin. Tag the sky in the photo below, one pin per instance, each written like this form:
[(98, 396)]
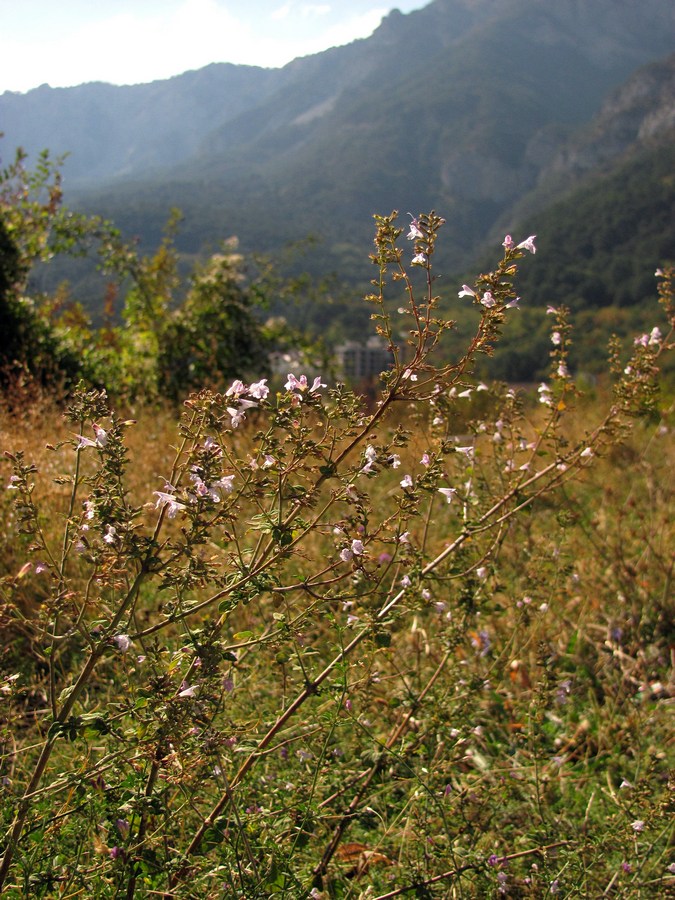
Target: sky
[(68, 42)]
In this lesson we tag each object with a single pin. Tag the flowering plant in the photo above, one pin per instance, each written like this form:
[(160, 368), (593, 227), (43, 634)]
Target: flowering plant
[(262, 675)]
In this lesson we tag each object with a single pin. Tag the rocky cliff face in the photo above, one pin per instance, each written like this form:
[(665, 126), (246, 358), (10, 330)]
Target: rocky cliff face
[(642, 110)]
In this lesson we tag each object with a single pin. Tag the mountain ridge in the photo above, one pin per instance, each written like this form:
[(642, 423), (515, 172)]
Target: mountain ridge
[(471, 107)]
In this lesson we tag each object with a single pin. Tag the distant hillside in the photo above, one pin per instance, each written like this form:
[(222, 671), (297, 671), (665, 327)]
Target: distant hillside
[(116, 132)]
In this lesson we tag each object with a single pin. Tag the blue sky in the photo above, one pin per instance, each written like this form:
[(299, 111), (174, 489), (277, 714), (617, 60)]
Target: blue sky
[(68, 42)]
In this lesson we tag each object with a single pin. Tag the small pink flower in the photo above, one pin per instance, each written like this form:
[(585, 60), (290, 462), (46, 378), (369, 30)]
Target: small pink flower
[(168, 500), (122, 641), (414, 233), (448, 493), (259, 389), (467, 291), (101, 435), (419, 259), (638, 825), (236, 415), (236, 389), (406, 481), (467, 451), (357, 547), (528, 244), (187, 690), (508, 242), (488, 300)]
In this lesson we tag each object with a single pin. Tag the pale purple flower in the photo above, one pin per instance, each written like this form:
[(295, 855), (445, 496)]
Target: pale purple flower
[(236, 389), (508, 242), (357, 547), (259, 389), (528, 244), (467, 451), (587, 453), (414, 232), (655, 336), (406, 481), (83, 442), (122, 642), (465, 394), (563, 371), (426, 459), (556, 338), (638, 825), (371, 455), (405, 581), (40, 567), (419, 259), (467, 291), (448, 493), (410, 375), (101, 435), (394, 460), (512, 304), (110, 535), (551, 311), (236, 415), (404, 538), (187, 690), (224, 485), (346, 554), (296, 384), (488, 300), (168, 500), (482, 572)]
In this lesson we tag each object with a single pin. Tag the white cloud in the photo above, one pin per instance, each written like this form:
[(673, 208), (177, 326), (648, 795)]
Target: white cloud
[(282, 13), (315, 9), (133, 41)]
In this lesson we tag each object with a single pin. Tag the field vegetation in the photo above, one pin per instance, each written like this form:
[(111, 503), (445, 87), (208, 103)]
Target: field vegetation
[(275, 641)]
